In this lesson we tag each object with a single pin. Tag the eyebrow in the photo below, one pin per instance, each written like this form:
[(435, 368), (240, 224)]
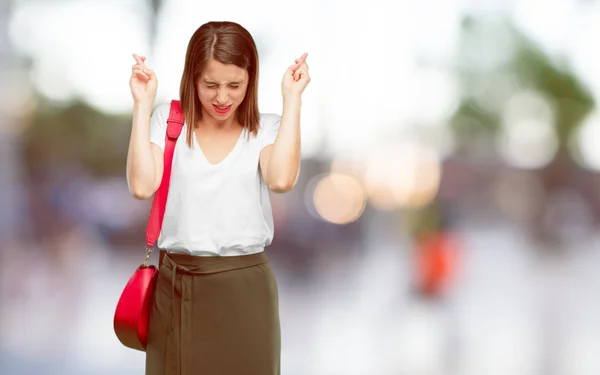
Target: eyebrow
[(215, 83)]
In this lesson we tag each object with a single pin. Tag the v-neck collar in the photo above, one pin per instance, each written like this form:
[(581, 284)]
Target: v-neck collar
[(227, 157)]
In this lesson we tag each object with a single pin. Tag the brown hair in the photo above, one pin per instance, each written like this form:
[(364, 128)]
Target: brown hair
[(228, 43)]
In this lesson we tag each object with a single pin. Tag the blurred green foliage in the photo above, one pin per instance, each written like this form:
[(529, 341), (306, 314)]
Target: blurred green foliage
[(530, 68), (76, 133)]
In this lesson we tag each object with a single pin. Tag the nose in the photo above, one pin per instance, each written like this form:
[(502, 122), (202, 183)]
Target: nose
[(222, 96)]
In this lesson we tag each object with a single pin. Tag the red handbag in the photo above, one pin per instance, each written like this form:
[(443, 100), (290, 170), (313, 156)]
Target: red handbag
[(132, 314)]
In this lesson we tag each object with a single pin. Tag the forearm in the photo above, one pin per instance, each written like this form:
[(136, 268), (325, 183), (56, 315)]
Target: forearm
[(284, 163), (141, 168)]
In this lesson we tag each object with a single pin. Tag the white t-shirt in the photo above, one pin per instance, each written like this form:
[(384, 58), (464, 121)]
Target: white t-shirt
[(222, 209)]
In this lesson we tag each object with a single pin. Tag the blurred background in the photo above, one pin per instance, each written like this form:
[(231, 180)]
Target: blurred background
[(446, 217)]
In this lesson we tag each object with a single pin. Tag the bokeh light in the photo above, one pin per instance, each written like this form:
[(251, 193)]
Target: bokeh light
[(405, 175), (527, 139), (339, 199), (585, 143)]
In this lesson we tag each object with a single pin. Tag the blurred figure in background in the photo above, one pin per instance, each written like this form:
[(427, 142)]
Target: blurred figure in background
[(436, 251)]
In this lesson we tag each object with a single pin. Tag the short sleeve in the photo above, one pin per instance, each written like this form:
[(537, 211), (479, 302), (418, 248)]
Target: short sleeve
[(269, 128), (158, 125)]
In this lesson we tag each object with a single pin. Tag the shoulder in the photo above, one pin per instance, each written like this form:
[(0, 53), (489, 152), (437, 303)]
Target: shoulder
[(269, 120), (158, 124), (269, 128), (160, 115), (163, 110)]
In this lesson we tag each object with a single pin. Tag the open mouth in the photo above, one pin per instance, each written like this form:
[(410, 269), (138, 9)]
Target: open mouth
[(222, 109)]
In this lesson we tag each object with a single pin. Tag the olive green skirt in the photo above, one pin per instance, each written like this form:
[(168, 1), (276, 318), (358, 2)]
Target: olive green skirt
[(214, 316)]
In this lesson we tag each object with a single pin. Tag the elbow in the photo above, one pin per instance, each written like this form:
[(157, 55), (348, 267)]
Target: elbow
[(281, 187), (285, 183), (139, 192)]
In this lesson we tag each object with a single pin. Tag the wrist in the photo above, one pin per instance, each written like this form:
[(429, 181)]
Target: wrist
[(143, 104), (292, 99)]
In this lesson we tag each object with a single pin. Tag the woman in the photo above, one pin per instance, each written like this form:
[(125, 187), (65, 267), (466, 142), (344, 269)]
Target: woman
[(216, 307)]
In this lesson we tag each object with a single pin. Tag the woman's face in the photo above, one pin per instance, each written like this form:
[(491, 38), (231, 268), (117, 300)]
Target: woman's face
[(221, 89)]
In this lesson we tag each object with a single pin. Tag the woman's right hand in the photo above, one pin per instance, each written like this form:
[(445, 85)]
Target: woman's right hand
[(143, 81)]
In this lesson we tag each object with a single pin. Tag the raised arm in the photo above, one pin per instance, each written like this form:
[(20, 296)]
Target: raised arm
[(144, 159), (280, 162)]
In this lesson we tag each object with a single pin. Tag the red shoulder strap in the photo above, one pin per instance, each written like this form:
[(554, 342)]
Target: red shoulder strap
[(157, 213)]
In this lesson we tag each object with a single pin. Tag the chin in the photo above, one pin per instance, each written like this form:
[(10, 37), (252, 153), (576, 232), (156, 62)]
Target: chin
[(222, 117)]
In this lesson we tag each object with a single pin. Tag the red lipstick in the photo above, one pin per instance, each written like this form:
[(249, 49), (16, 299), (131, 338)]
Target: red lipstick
[(222, 109)]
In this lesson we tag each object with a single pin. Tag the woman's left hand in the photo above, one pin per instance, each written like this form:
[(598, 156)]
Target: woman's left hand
[(296, 78)]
